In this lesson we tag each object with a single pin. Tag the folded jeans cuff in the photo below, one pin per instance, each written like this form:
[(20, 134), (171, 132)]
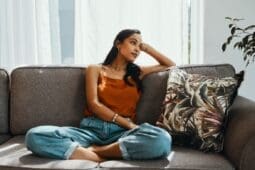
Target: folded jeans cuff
[(123, 149), (70, 150)]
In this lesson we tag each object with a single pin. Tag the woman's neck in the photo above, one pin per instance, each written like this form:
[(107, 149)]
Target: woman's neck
[(119, 64)]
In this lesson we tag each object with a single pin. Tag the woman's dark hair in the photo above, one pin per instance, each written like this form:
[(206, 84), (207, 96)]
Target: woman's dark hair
[(132, 70)]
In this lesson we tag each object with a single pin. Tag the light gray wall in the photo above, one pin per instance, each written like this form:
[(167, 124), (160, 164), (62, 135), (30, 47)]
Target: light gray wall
[(216, 31)]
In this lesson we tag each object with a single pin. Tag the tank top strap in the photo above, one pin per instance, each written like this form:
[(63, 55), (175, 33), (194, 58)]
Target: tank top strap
[(102, 75)]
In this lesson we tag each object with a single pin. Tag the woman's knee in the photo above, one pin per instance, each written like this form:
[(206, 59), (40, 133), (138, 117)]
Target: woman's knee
[(160, 144), (31, 137), (164, 143), (34, 137)]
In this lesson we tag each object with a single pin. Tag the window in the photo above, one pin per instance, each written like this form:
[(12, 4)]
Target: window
[(82, 31)]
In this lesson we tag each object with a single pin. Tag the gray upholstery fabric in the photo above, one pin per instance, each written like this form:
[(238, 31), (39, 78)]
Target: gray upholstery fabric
[(14, 155), (248, 155), (4, 138), (180, 158), (4, 101), (218, 70), (240, 133), (149, 106), (46, 95), (55, 95)]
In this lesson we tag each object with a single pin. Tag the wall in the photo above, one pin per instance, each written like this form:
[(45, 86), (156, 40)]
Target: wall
[(215, 32)]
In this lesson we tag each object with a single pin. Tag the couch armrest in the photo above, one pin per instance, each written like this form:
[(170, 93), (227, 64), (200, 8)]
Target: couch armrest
[(239, 144), (4, 138)]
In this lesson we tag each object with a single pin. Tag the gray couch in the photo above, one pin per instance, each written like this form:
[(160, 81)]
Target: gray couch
[(31, 96)]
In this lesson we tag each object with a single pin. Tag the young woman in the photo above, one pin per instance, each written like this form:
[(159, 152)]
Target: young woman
[(109, 130)]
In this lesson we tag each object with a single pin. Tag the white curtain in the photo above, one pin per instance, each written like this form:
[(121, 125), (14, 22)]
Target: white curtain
[(29, 33), (97, 22)]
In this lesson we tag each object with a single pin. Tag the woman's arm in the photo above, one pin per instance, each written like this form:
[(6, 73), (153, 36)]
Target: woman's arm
[(164, 62), (94, 105)]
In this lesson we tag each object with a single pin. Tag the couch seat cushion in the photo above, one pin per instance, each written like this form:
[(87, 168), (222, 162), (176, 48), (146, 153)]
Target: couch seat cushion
[(180, 158), (14, 155)]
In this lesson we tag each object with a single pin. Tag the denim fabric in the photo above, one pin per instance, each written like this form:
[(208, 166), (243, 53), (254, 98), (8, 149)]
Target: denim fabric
[(143, 142)]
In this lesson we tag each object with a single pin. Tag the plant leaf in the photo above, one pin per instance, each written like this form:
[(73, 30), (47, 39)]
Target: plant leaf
[(239, 29), (224, 46), (240, 46), (249, 27), (249, 53), (245, 57), (238, 19), (248, 62), (246, 49), (245, 39), (229, 18), (230, 25), (229, 39), (237, 44), (233, 30), (251, 43)]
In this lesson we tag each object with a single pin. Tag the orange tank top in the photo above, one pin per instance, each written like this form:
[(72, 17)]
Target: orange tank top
[(117, 95)]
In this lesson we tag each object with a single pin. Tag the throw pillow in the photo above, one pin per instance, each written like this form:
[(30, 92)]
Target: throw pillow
[(195, 108)]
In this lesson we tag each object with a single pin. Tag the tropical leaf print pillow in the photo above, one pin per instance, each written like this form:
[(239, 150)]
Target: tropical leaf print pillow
[(195, 108)]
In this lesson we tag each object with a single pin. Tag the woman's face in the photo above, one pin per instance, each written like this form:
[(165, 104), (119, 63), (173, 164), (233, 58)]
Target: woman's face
[(130, 47)]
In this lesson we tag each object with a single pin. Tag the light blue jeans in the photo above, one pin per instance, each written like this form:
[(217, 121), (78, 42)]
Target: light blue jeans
[(143, 142)]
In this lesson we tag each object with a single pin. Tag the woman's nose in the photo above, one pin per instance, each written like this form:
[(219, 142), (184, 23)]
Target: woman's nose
[(137, 48)]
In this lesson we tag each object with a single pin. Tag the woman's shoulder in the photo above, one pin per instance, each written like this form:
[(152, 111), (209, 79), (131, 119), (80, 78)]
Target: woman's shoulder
[(94, 67), (93, 71)]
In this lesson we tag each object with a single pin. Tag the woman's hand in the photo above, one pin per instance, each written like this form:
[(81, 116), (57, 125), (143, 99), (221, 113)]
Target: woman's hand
[(164, 61), (132, 125), (144, 47)]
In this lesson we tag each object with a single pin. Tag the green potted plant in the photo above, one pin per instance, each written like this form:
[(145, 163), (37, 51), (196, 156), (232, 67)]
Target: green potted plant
[(245, 39)]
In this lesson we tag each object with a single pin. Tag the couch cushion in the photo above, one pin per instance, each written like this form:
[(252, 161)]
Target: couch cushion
[(14, 155), (46, 95), (179, 158), (4, 101), (4, 138), (154, 85), (195, 108)]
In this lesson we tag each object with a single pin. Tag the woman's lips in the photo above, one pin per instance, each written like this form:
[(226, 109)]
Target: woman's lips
[(134, 54)]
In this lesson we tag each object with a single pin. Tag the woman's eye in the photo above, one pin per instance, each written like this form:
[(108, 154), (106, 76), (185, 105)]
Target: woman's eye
[(133, 42)]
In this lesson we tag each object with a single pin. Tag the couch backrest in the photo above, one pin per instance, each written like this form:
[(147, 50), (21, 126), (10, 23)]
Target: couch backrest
[(149, 106), (56, 95), (46, 95), (4, 101)]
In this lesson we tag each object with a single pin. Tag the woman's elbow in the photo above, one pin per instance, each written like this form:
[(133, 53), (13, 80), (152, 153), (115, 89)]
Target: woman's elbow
[(93, 105), (171, 63)]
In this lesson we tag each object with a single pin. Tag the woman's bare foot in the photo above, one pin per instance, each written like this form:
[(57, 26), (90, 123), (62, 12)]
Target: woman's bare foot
[(110, 151), (93, 148), (86, 154)]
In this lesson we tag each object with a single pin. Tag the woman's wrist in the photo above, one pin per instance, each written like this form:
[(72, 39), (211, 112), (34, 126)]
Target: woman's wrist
[(125, 122), (114, 118), (131, 124), (144, 47)]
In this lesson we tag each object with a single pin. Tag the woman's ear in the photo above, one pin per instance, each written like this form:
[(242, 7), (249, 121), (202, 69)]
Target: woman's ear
[(117, 43)]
